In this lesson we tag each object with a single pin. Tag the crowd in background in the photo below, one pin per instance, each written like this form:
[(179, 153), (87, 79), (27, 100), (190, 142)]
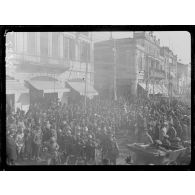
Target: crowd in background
[(88, 134)]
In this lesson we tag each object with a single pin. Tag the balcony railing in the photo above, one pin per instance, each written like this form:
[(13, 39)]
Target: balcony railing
[(156, 73), (42, 60)]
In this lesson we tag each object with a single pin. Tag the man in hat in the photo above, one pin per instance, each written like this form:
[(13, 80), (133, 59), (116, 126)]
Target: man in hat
[(114, 153), (20, 143), (11, 148), (28, 143), (147, 138), (163, 137), (37, 142), (53, 150), (171, 132), (140, 126)]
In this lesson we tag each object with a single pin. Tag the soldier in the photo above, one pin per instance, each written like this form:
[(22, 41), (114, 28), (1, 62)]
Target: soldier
[(20, 143), (53, 150), (28, 143), (114, 151), (37, 142), (11, 149)]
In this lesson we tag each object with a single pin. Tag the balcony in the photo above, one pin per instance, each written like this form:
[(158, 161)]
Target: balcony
[(156, 73), (37, 61)]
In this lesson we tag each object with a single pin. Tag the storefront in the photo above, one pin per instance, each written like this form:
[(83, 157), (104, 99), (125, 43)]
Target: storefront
[(80, 88), (14, 91), (153, 89), (47, 91)]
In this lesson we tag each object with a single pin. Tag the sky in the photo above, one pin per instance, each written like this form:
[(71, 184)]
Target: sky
[(178, 41)]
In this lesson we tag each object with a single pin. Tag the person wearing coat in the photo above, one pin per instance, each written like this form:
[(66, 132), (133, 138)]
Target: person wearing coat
[(114, 152), (11, 150)]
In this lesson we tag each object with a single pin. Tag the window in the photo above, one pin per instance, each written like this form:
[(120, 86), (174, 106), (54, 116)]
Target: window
[(142, 43), (65, 48), (10, 39), (31, 42), (152, 64), (121, 57), (72, 49), (44, 43), (85, 52), (55, 44), (85, 33), (140, 66)]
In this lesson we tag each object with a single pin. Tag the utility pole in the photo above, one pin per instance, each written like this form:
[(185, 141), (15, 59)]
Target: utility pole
[(153, 87), (86, 71), (114, 52), (147, 79), (54, 82)]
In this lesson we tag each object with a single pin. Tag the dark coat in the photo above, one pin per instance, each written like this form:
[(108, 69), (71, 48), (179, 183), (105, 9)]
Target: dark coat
[(11, 149)]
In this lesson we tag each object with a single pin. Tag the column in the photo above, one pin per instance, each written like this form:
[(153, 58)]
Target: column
[(92, 59), (135, 80), (38, 43), (50, 44), (61, 41), (25, 42)]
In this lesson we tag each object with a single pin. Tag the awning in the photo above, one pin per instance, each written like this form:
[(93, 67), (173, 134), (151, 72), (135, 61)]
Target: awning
[(24, 99), (143, 85), (172, 74), (153, 89), (164, 90), (12, 86), (48, 86), (158, 89), (80, 87)]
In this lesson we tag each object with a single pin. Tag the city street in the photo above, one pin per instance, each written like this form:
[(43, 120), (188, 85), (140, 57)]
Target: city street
[(82, 100)]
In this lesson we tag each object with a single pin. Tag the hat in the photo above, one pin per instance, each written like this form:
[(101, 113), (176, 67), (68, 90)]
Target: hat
[(53, 139), (69, 132), (177, 139)]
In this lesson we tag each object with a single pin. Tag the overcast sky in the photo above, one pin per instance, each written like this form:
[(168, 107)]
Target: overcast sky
[(178, 41)]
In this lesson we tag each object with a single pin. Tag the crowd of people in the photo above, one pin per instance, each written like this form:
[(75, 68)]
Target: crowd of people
[(73, 133)]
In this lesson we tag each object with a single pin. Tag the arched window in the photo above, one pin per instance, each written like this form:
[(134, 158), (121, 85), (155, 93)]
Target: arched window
[(31, 43), (44, 43), (55, 44)]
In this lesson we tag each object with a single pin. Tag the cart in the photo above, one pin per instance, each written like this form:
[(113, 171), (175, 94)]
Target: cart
[(150, 155)]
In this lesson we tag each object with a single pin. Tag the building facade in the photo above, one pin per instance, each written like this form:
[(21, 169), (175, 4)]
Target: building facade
[(170, 64), (105, 60), (182, 77), (46, 60), (138, 63), (150, 62)]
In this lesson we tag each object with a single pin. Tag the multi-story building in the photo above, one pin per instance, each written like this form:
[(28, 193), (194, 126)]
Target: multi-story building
[(170, 63), (137, 61), (104, 63), (44, 61), (182, 77), (152, 67)]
